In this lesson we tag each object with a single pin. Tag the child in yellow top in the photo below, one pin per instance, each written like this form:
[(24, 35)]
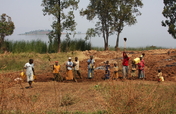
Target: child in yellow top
[(56, 69), (160, 77), (115, 72)]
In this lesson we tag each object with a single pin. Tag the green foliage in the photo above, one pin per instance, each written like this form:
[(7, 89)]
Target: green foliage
[(37, 46), (6, 27), (130, 48), (113, 15), (72, 45), (62, 21), (169, 12)]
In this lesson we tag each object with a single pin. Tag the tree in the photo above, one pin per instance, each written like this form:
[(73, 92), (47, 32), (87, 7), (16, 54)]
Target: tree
[(100, 9), (169, 12), (113, 15), (124, 13), (6, 27), (62, 21)]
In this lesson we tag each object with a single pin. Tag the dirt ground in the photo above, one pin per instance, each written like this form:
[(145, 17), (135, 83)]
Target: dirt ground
[(154, 60), (90, 99)]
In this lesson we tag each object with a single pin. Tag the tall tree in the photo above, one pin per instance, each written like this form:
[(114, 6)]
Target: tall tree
[(124, 13), (6, 27), (62, 20), (113, 15), (100, 9), (169, 12)]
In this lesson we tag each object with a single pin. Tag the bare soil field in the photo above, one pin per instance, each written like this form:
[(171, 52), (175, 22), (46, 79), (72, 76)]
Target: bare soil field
[(84, 96)]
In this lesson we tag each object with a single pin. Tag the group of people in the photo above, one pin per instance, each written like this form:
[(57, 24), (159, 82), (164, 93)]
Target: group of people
[(72, 69), (125, 68), (137, 62)]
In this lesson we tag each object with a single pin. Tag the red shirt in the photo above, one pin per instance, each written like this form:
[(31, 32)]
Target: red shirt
[(125, 60), (141, 65)]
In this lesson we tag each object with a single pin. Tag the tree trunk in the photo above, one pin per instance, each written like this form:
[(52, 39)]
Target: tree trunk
[(105, 46), (59, 42), (59, 32), (105, 41), (117, 41), (1, 41)]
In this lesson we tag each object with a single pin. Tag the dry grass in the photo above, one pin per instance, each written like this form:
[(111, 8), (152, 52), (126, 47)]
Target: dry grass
[(109, 97), (139, 97)]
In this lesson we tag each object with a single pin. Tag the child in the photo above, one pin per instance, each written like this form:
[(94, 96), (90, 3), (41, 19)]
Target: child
[(160, 77), (141, 65), (107, 76), (107, 71), (56, 69), (133, 69), (115, 70)]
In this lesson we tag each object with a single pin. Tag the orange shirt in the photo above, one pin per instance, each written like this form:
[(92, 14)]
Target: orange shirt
[(56, 69)]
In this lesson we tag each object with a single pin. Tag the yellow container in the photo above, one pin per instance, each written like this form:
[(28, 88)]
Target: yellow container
[(137, 60), (23, 76)]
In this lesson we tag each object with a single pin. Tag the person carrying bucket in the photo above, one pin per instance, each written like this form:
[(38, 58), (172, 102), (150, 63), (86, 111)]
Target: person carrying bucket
[(91, 66), (30, 72), (137, 60)]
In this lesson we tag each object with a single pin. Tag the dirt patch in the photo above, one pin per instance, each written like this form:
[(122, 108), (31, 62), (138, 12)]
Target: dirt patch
[(154, 60)]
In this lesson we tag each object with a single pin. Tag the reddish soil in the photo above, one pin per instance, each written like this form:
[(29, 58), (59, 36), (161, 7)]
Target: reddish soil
[(154, 60)]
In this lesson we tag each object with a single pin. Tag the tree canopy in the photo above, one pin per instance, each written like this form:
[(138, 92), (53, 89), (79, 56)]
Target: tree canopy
[(113, 15), (169, 12), (62, 21), (6, 27)]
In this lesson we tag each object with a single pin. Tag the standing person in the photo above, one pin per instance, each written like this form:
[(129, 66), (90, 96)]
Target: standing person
[(76, 68), (115, 71), (141, 64), (125, 65), (30, 72), (69, 66), (91, 66), (133, 70), (107, 70), (56, 70), (137, 60)]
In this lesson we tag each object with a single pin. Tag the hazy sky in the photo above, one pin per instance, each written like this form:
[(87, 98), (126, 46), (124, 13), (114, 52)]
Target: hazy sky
[(27, 15)]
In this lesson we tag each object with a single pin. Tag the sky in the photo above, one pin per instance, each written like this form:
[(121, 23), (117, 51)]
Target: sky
[(27, 15)]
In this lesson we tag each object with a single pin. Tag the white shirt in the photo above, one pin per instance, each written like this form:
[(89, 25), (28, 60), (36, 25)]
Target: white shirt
[(29, 67), (77, 65), (71, 64)]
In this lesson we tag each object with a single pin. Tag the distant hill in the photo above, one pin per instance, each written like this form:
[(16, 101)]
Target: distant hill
[(37, 32), (41, 32)]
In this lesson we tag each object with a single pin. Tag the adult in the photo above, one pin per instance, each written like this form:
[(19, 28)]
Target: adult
[(141, 65), (76, 68), (125, 65), (91, 66), (69, 66), (56, 70), (30, 72)]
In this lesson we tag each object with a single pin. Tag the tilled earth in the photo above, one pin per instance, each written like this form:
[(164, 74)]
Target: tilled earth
[(164, 59)]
